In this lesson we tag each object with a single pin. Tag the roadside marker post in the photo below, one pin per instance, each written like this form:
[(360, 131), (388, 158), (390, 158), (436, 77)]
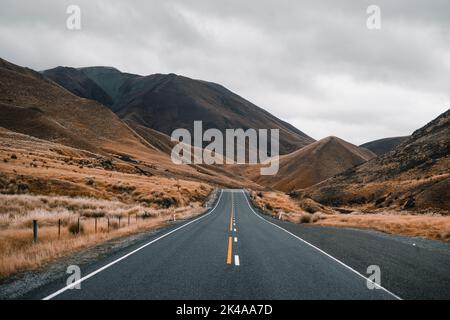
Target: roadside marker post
[(59, 229)]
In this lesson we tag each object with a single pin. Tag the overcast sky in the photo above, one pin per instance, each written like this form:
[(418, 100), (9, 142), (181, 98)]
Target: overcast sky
[(314, 64)]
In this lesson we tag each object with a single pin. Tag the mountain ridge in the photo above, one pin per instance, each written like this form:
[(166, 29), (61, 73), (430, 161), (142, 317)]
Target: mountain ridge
[(165, 102)]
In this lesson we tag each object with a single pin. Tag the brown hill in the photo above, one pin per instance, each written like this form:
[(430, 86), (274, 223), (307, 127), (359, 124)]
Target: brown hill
[(167, 102), (314, 163), (415, 175), (382, 146), (33, 105)]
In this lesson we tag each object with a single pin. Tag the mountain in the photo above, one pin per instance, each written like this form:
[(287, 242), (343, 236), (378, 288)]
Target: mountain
[(314, 163), (382, 146), (79, 84), (33, 105), (415, 175), (168, 102)]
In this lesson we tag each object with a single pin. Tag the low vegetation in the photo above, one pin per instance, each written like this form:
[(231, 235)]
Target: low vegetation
[(68, 224), (433, 225)]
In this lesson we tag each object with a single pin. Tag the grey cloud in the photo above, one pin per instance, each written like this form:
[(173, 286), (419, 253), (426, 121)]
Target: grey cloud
[(313, 63)]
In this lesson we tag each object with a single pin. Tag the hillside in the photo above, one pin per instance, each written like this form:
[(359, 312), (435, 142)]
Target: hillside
[(79, 84), (35, 106), (314, 163), (167, 102), (414, 176), (382, 146)]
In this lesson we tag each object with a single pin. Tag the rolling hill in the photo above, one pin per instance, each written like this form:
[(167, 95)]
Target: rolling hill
[(413, 176), (314, 163), (35, 106)]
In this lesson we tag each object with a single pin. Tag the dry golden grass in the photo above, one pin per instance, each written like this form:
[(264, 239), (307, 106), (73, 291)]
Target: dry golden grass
[(281, 206), (19, 253), (427, 226), (35, 166)]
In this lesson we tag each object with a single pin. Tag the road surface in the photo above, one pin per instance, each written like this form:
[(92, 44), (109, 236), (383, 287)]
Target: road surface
[(232, 252)]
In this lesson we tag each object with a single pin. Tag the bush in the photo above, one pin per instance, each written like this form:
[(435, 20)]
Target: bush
[(73, 228), (269, 207), (305, 218), (294, 194), (90, 181), (166, 202), (310, 209)]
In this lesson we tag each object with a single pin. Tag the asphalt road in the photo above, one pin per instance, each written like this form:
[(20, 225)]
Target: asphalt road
[(232, 252)]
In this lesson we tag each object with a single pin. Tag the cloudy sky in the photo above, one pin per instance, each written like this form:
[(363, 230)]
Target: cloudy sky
[(314, 64)]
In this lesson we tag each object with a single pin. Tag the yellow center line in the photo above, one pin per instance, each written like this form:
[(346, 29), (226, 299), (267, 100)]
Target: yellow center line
[(230, 238), (230, 250)]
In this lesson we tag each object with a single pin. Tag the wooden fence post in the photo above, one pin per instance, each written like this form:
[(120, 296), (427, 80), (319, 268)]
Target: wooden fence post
[(35, 231)]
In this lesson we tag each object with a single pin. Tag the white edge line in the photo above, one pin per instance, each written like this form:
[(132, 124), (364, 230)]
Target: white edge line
[(320, 250), (236, 260), (129, 254), (235, 239)]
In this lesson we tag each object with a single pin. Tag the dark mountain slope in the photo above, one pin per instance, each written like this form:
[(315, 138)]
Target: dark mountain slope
[(382, 146), (79, 84), (168, 102)]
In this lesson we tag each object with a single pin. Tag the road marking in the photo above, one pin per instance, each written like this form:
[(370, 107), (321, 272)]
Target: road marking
[(320, 250), (230, 250), (232, 213), (236, 260), (234, 229), (90, 275), (235, 239)]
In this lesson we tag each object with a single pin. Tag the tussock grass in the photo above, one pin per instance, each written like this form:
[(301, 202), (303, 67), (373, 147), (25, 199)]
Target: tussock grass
[(431, 226), (17, 212), (427, 226)]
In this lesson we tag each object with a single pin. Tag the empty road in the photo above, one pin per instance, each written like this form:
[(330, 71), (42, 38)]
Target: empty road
[(231, 252)]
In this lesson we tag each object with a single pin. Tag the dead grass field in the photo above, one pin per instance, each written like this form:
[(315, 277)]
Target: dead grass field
[(433, 227), (50, 182), (278, 205), (17, 212)]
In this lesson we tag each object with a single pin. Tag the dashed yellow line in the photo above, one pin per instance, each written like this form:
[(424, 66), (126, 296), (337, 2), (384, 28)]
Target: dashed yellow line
[(230, 238), (230, 250)]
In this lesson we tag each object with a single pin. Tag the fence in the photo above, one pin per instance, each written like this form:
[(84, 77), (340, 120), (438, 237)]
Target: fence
[(106, 224)]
